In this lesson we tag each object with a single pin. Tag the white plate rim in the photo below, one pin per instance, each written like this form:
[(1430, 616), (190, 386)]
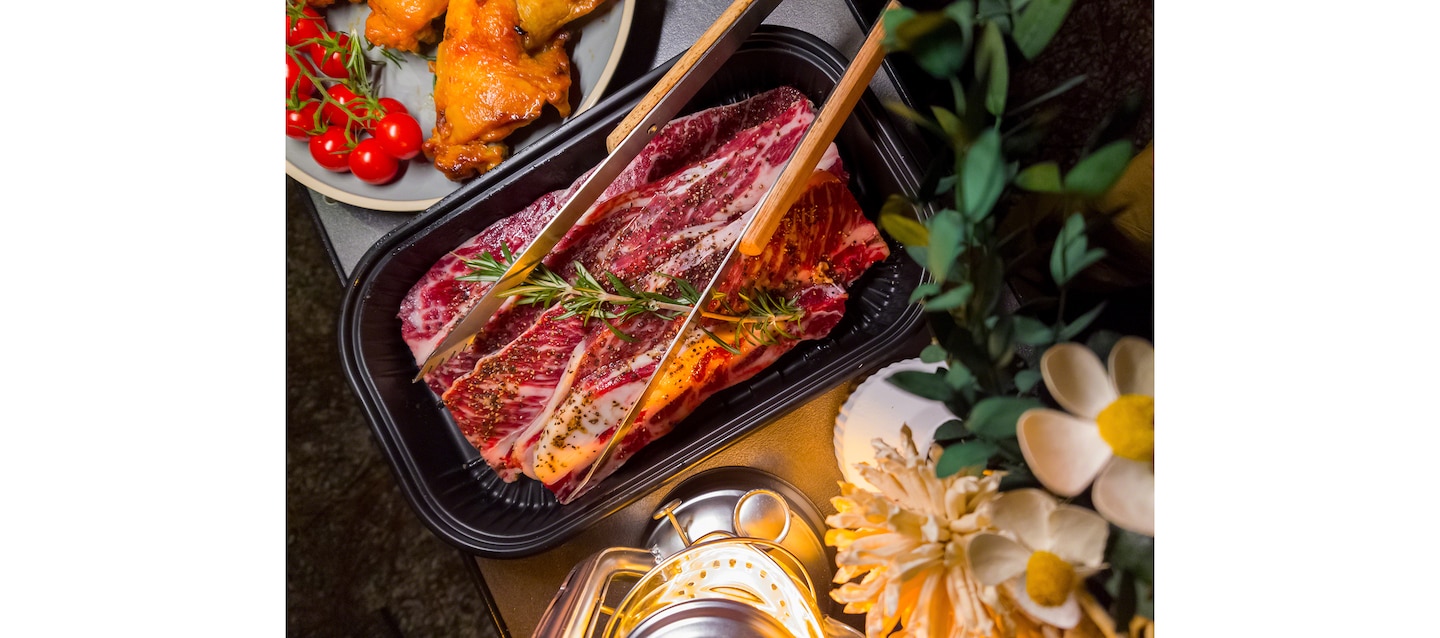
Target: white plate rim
[(627, 14), (858, 394)]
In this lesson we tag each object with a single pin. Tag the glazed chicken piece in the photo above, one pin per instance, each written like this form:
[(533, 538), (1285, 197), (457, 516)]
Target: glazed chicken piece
[(540, 19), (404, 24), (487, 85)]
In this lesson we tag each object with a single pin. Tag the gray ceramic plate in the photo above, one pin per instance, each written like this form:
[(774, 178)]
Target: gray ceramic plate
[(595, 47)]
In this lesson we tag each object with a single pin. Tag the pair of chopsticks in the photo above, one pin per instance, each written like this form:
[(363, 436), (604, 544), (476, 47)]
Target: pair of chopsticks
[(787, 188), (822, 131)]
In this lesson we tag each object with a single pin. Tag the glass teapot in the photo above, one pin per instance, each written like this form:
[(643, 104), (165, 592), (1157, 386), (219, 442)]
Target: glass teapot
[(740, 579)]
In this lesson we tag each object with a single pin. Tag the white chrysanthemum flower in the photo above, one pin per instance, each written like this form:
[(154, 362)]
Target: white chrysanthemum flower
[(1041, 553), (908, 542), (1108, 435)]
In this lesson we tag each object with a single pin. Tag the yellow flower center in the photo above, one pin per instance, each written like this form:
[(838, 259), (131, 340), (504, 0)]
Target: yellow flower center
[(1128, 425), (1048, 579)]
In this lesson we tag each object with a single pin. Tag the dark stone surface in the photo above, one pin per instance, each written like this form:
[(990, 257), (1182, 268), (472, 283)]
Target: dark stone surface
[(358, 560)]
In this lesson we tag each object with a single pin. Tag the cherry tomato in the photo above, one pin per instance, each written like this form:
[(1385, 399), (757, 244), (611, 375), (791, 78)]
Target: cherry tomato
[(332, 61), (392, 105), (371, 111), (309, 25), (361, 108), (331, 150), (300, 123), (372, 164), (334, 114), (296, 84), (399, 134)]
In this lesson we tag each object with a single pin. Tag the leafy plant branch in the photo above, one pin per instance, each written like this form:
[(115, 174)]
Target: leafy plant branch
[(991, 346), (970, 45)]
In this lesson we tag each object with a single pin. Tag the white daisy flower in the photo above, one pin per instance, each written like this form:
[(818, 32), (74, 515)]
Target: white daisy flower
[(1107, 437), (1041, 554)]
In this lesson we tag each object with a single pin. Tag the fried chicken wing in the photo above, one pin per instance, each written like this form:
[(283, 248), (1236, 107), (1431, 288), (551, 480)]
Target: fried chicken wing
[(404, 24), (487, 85), (540, 19)]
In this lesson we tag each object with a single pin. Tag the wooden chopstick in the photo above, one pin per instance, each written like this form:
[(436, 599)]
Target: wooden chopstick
[(823, 130), (647, 103)]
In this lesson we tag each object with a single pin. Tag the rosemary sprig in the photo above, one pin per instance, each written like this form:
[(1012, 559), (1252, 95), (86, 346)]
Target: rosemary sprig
[(760, 318)]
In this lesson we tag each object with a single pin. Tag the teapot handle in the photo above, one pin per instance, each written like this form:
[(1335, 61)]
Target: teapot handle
[(572, 613)]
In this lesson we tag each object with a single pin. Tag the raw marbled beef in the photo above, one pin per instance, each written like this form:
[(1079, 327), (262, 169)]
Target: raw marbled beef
[(540, 394)]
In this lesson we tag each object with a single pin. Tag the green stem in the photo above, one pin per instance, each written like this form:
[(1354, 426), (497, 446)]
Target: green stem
[(372, 105)]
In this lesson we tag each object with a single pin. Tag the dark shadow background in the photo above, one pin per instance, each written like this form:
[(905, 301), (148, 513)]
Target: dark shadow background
[(358, 562)]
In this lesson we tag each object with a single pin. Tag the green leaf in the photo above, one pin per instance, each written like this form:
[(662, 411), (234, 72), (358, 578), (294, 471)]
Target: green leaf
[(1079, 261), (1073, 229), (997, 12), (1097, 172), (951, 299), (949, 430), (970, 454), (1026, 379), (616, 331), (1131, 552), (983, 177), (893, 20), (923, 384), (924, 290), (1080, 323), (947, 231), (958, 376), (933, 353), (920, 254), (963, 12), (915, 116), (1001, 343), (935, 41), (1051, 94), (619, 285), (899, 206), (1038, 24), (1041, 178), (957, 94), (995, 417), (1070, 240), (960, 342), (949, 122), (988, 9), (991, 64), (904, 229), (945, 184), (1031, 331)]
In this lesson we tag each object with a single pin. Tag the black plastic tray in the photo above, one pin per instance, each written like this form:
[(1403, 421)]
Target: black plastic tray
[(441, 474)]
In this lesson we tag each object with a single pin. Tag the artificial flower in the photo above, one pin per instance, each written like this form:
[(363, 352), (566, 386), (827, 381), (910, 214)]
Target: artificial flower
[(1039, 554), (908, 543), (1107, 437)]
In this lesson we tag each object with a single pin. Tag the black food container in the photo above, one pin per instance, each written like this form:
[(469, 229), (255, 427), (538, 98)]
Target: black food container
[(442, 475)]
